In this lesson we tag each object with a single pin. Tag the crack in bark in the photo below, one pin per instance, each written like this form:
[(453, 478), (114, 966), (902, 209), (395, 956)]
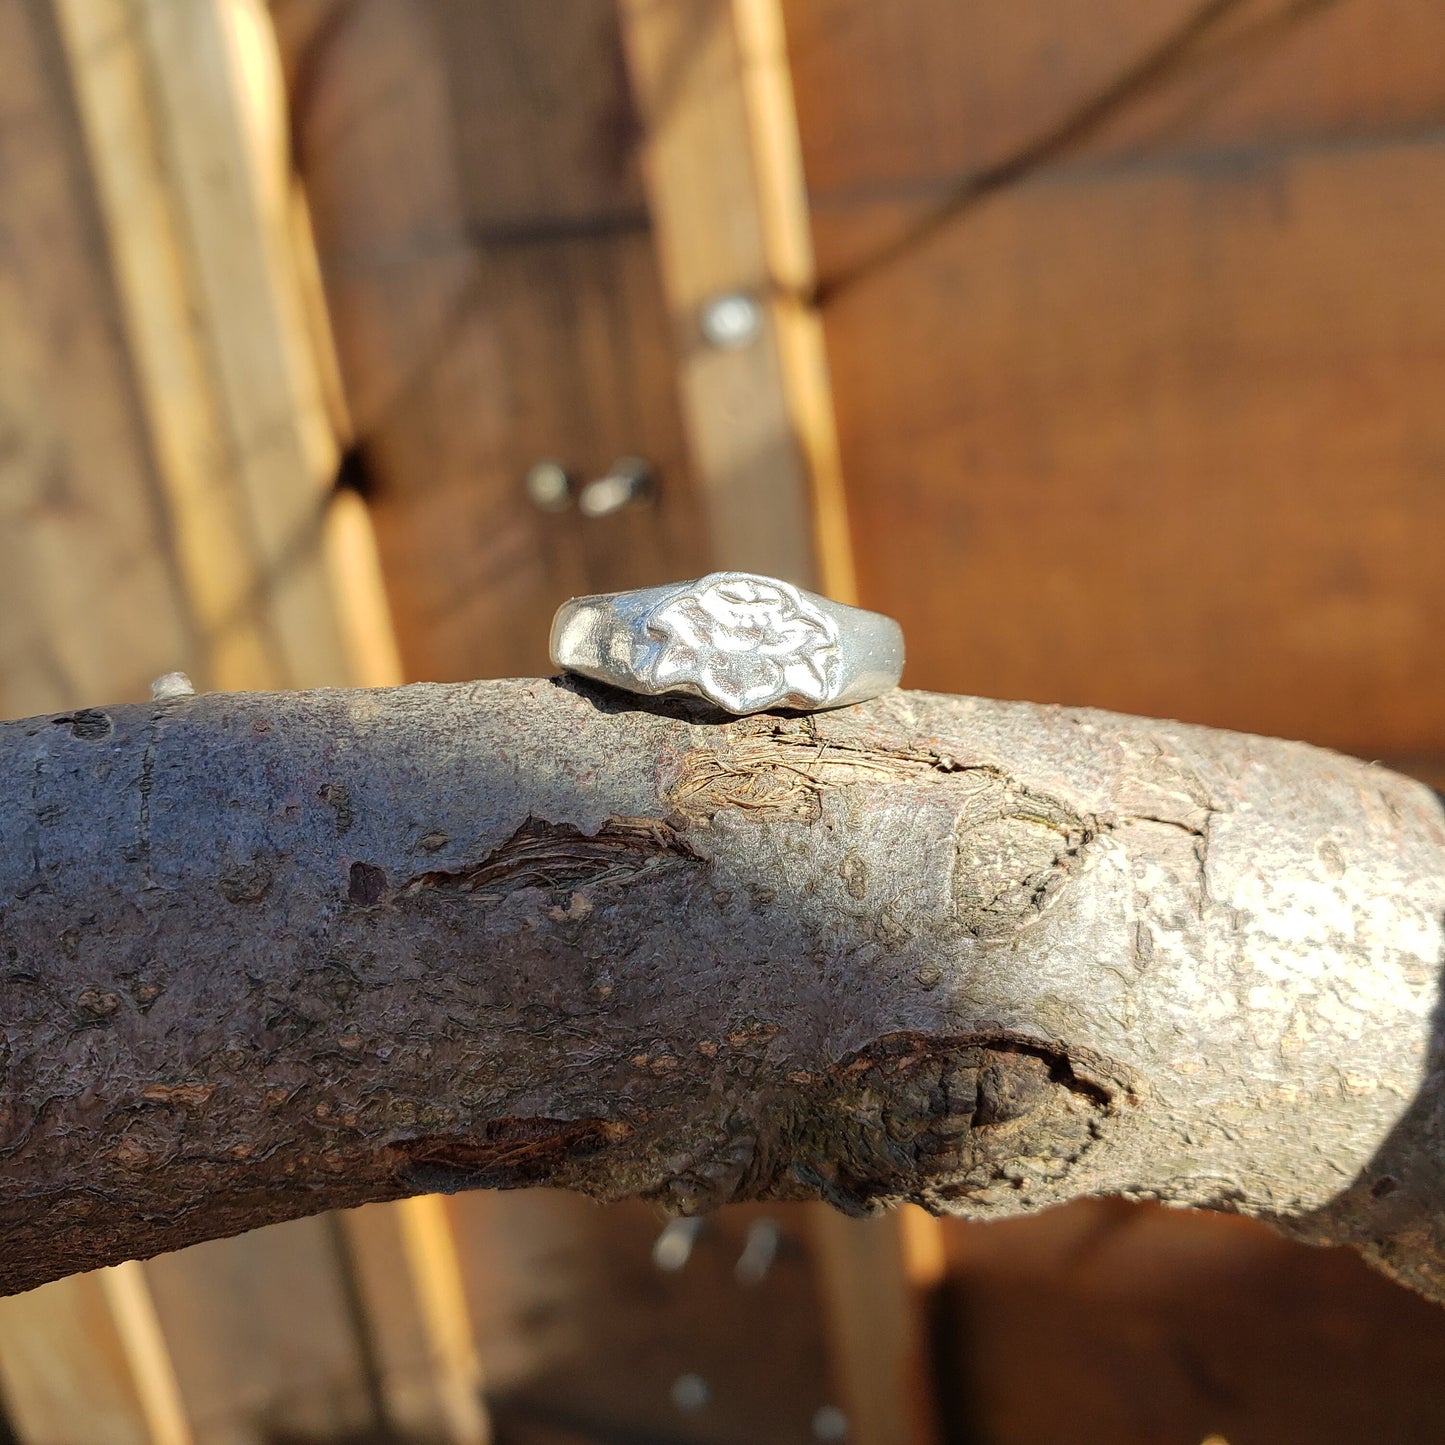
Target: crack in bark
[(146, 785), (1190, 828), (1198, 835), (542, 854), (763, 775), (32, 838), (508, 1153)]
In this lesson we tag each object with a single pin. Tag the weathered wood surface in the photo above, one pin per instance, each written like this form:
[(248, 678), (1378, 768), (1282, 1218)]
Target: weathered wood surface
[(1156, 408), (583, 1330), (77, 484), (491, 284), (1134, 1323), (720, 150), (269, 953)]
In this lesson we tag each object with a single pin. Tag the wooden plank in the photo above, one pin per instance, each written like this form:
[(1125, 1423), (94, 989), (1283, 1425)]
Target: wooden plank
[(588, 1325), (194, 319), (900, 100), (419, 1330), (263, 1337), (220, 107), (878, 1277), (475, 570), (478, 330), (64, 1370), (707, 197), (89, 603), (431, 1253), (1154, 1324), (782, 203), (127, 1291), (1163, 440), (543, 127), (167, 335)]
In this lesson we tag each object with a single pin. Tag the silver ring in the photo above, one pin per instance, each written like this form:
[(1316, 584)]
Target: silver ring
[(744, 642)]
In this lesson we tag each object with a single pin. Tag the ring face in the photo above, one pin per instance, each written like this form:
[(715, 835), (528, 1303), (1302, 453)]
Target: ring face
[(744, 642)]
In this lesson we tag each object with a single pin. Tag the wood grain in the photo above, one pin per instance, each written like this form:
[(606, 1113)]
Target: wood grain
[(546, 131), (1136, 1323), (699, 117), (581, 1328), (1166, 440), (263, 1337), (913, 96), (89, 596), (485, 320)]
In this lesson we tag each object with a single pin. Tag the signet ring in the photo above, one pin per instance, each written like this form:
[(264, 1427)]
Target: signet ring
[(744, 642)]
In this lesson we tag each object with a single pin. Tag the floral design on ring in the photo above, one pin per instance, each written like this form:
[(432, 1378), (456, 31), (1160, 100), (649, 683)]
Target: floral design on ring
[(745, 642)]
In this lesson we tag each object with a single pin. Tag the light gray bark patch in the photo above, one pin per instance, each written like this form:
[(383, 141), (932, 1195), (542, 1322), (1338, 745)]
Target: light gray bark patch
[(557, 856), (1016, 846), (1016, 849)]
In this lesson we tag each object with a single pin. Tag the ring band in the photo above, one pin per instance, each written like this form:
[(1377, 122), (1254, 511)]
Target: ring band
[(744, 642)]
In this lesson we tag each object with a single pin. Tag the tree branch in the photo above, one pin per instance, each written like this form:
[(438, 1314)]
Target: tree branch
[(266, 954)]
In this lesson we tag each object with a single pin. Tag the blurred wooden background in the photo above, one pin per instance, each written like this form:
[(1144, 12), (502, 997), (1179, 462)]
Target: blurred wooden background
[(1100, 343)]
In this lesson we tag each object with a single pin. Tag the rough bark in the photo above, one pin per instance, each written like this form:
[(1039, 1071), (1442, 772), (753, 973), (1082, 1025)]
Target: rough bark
[(264, 954)]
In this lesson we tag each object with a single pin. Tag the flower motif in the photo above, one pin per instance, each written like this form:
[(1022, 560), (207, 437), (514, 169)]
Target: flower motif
[(744, 642)]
